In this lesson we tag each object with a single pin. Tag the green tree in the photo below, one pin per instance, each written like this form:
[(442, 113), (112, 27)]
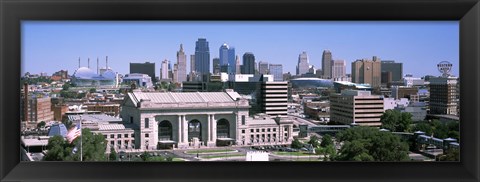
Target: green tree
[(41, 124), (450, 155), (370, 144), (329, 152), (314, 141), (92, 148), (397, 121), (425, 127), (56, 149), (93, 90), (172, 87), (296, 144), (113, 154), (145, 156), (354, 151), (66, 86), (326, 141)]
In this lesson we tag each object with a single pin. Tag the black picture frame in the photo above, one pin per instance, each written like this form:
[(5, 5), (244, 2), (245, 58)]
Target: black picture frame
[(12, 12)]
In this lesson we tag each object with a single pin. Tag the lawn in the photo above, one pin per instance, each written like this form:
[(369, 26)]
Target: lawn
[(208, 151), (293, 153), (177, 159), (221, 156)]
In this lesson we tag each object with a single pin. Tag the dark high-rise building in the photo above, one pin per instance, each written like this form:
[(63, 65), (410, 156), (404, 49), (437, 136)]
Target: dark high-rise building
[(395, 68), (202, 59), (386, 77), (216, 66), (144, 68), (327, 64), (248, 63)]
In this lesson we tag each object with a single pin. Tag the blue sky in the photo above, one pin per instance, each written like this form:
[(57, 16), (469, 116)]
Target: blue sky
[(49, 46)]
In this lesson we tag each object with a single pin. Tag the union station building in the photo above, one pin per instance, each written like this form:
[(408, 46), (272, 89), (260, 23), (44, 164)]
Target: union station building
[(165, 120)]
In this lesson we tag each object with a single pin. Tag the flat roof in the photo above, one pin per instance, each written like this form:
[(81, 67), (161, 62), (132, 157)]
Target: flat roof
[(94, 118), (35, 141)]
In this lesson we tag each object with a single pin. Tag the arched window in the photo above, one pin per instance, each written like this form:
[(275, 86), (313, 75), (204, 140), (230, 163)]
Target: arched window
[(223, 129), (194, 130), (165, 131)]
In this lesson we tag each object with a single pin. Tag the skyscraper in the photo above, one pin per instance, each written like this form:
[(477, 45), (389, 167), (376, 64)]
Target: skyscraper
[(223, 54), (395, 68), (443, 95), (277, 71), (238, 66), (227, 57), (181, 66), (339, 69), (144, 68), (367, 71), (327, 64), (263, 67), (232, 63), (249, 63), (303, 65), (216, 66), (202, 59), (164, 70)]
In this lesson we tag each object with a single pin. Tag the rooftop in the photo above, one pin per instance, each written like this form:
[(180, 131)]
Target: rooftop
[(94, 118), (183, 97)]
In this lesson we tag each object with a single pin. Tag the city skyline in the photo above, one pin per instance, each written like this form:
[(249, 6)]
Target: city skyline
[(418, 45)]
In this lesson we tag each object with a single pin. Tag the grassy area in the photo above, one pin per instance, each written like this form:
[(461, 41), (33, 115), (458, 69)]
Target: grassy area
[(177, 159), (221, 156), (293, 153), (208, 151)]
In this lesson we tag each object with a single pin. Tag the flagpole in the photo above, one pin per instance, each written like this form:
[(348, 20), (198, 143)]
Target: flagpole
[(81, 140)]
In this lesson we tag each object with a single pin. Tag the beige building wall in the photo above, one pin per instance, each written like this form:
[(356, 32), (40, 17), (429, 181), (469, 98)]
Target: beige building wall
[(353, 106), (367, 71)]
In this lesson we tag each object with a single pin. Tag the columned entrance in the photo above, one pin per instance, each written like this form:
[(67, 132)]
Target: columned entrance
[(223, 133), (165, 135)]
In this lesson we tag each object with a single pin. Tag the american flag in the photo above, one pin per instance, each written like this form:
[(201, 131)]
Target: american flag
[(74, 133)]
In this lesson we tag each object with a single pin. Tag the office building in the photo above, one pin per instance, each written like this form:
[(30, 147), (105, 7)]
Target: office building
[(227, 57), (327, 64), (339, 68), (238, 66), (274, 98), (416, 109), (202, 59), (216, 66), (144, 68), (386, 78), (164, 70), (248, 63), (367, 71), (443, 95), (192, 64), (404, 92), (35, 109), (180, 68), (396, 70), (277, 71), (358, 107), (263, 67), (303, 64), (411, 81)]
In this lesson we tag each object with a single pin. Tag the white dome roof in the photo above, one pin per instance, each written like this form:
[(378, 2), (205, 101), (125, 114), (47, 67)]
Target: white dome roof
[(109, 74), (84, 73)]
